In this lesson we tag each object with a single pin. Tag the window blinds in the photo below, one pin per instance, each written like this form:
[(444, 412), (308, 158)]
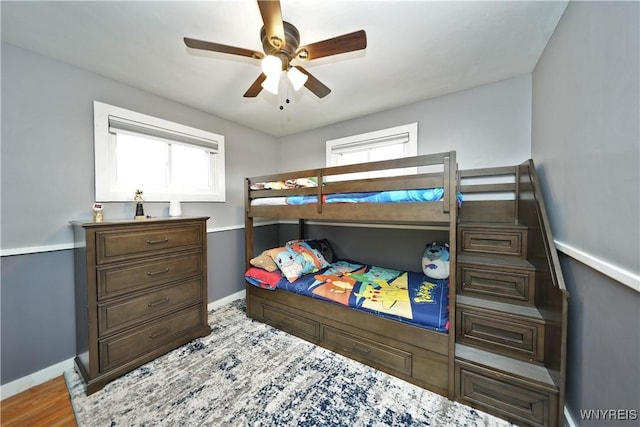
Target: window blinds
[(121, 125), (395, 139)]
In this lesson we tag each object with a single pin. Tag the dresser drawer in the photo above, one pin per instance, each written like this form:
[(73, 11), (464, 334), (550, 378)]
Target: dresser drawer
[(514, 400), (148, 240), (521, 338), (117, 350), (121, 279), (126, 313), (506, 284), (496, 242), (292, 323), (368, 351)]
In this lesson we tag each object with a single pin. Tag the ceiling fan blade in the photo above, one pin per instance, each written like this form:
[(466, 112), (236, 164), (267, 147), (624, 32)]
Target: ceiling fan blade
[(272, 18), (314, 85), (256, 87), (334, 46), (222, 48)]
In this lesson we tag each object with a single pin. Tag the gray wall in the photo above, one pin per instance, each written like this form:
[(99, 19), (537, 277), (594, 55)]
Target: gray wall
[(47, 180), (47, 149), (585, 142), (489, 125), (371, 245)]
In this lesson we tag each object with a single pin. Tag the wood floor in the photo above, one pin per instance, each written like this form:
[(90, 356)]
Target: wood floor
[(47, 404)]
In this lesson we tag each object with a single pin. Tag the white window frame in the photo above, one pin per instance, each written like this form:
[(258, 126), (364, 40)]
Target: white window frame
[(406, 134), (108, 120)]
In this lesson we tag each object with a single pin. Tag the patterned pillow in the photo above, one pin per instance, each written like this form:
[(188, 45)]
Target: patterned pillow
[(291, 264), (313, 255), (324, 247)]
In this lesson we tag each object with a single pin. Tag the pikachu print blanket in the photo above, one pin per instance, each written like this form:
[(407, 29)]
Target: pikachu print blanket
[(406, 296)]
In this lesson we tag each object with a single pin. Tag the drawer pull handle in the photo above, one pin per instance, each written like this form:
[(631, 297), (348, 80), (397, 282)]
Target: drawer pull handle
[(155, 242), (153, 273), (360, 349), (157, 303), (159, 333)]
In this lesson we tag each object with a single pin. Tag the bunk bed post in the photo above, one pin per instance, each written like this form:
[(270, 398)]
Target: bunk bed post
[(301, 231), (516, 216), (248, 225), (319, 191), (451, 176)]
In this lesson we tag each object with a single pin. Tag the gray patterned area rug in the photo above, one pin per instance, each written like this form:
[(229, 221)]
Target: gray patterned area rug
[(246, 373)]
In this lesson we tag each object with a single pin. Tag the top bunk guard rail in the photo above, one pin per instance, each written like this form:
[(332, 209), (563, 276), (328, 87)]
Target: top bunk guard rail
[(431, 171)]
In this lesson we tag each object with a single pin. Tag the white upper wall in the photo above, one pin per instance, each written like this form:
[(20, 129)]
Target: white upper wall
[(489, 125)]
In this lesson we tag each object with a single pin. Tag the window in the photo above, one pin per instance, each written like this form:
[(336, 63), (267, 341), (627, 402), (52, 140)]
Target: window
[(166, 160), (392, 143)]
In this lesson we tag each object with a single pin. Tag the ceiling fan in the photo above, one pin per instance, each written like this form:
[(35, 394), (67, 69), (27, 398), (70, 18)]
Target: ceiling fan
[(280, 42)]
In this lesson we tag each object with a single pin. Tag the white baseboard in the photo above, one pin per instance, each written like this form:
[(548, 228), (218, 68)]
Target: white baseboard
[(226, 300), (37, 378), (51, 372)]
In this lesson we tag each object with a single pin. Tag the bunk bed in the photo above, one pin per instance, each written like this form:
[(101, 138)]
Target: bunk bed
[(424, 195), (504, 348)]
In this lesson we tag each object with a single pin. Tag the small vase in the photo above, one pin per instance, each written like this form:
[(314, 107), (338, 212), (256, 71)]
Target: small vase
[(174, 208)]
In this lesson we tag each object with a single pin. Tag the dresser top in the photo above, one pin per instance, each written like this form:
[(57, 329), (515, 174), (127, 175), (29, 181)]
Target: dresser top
[(153, 220)]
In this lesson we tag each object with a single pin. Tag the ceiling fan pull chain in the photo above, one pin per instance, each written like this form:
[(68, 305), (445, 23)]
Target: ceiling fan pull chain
[(284, 95)]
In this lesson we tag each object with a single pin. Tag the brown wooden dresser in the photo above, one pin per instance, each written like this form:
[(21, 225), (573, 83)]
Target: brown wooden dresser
[(141, 291)]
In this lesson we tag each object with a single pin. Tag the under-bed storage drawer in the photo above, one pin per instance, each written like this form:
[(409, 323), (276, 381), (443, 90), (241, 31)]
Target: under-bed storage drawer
[(514, 400), (297, 325), (368, 351), (124, 347)]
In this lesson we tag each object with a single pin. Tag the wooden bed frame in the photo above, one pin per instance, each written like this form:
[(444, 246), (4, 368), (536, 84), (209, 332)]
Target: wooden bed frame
[(505, 352), (418, 355)]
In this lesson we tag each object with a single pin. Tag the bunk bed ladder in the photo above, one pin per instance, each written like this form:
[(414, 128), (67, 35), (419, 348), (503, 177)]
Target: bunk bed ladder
[(511, 303)]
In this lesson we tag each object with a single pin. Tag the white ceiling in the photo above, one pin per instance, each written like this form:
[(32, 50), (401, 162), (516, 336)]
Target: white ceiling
[(416, 50)]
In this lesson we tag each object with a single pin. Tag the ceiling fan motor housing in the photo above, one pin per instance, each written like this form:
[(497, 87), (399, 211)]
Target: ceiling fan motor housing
[(287, 50)]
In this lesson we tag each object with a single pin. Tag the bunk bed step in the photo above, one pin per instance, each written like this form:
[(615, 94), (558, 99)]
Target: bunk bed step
[(520, 392), (508, 329), (508, 280), (496, 239)]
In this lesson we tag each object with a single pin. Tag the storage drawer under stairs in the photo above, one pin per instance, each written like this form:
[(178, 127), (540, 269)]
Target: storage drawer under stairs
[(508, 240), (507, 329), (507, 280), (523, 393)]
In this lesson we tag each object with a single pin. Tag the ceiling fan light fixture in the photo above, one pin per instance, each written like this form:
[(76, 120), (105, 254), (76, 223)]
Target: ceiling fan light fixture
[(271, 66), (297, 78), (271, 84)]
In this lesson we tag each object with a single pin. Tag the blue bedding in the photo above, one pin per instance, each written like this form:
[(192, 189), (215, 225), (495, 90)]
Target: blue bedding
[(409, 297), (390, 196), (393, 196)]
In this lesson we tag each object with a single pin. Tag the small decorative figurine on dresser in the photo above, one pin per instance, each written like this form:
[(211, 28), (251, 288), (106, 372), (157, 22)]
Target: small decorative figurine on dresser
[(97, 212), (139, 208)]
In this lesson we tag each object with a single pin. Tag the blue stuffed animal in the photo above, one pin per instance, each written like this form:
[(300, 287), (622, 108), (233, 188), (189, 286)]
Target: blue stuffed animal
[(435, 261)]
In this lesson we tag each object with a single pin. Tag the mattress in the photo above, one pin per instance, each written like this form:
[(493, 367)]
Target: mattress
[(406, 296)]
